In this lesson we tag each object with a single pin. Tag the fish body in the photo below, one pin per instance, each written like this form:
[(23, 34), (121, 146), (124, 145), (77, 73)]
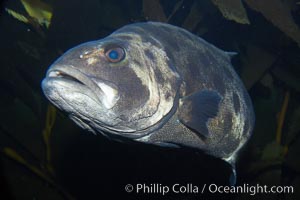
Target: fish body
[(154, 83)]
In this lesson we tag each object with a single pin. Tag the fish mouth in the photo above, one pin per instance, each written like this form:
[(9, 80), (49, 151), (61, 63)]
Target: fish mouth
[(105, 92)]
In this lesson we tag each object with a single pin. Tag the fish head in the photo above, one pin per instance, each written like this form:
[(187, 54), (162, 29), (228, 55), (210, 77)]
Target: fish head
[(121, 84)]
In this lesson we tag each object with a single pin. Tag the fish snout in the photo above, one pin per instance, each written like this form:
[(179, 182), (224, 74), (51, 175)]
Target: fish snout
[(106, 92)]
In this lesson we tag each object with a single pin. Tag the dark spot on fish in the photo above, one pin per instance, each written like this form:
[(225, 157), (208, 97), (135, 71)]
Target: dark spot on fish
[(170, 54), (130, 84), (125, 37), (247, 99), (158, 76), (228, 122), (219, 83), (204, 61), (172, 66), (171, 59), (228, 73), (170, 43), (236, 102), (150, 55), (167, 95), (229, 147), (136, 62), (246, 128)]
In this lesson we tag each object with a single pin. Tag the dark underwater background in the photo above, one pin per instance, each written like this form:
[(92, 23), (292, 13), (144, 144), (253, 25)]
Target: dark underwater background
[(43, 155)]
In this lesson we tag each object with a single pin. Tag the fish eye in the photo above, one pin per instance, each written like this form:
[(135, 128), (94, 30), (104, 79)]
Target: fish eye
[(115, 54)]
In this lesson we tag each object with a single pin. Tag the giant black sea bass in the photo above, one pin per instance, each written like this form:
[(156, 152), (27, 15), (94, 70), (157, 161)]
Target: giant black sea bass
[(154, 83)]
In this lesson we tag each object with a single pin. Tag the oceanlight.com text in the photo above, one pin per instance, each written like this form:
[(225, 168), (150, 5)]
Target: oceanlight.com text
[(189, 188)]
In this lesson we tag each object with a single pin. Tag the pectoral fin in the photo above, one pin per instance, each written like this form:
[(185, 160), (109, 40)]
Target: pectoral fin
[(196, 109)]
